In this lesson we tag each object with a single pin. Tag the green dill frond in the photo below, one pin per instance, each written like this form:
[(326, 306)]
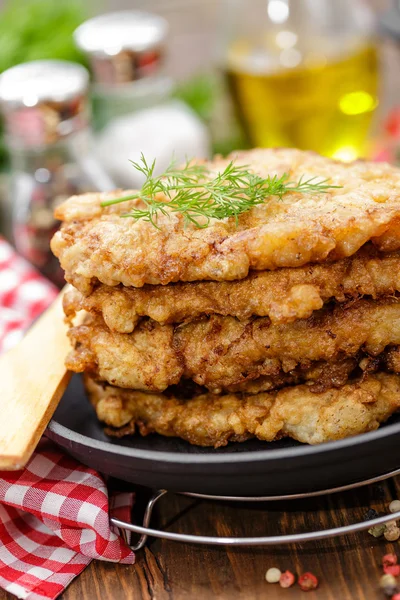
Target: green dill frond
[(200, 195)]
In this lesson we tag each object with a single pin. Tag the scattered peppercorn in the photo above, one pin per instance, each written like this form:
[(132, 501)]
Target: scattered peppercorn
[(287, 579), (392, 532), (273, 575), (390, 591), (394, 506), (377, 530), (390, 524), (387, 580), (392, 570), (389, 559), (308, 582), (388, 585), (393, 535), (370, 514)]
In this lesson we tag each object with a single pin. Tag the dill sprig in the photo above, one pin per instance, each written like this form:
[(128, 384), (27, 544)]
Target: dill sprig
[(199, 195)]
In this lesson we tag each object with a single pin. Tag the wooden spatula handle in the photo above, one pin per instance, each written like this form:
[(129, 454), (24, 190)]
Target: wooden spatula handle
[(32, 380)]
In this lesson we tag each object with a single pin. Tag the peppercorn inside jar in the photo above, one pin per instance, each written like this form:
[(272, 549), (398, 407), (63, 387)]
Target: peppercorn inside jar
[(46, 115)]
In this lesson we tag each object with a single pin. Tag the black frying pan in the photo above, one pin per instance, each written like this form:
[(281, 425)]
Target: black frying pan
[(253, 468)]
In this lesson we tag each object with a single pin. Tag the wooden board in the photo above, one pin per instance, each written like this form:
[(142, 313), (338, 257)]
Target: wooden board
[(33, 379)]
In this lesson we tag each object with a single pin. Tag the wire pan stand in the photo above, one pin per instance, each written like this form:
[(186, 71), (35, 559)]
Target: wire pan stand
[(145, 531)]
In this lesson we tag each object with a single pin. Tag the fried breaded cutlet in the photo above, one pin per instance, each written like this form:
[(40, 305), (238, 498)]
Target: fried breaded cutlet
[(222, 353), (283, 295), (95, 245), (210, 420)]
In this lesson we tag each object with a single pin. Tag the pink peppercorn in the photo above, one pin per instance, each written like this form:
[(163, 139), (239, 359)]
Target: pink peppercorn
[(389, 559), (287, 579), (392, 570), (308, 582)]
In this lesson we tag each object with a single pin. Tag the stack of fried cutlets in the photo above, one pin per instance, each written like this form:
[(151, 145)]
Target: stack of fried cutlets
[(285, 323)]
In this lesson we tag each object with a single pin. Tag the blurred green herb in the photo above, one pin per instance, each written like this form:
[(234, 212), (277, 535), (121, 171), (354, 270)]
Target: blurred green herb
[(36, 29), (200, 93), (208, 97)]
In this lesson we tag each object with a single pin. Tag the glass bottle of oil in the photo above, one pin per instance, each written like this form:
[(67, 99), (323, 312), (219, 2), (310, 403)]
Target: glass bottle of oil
[(302, 73)]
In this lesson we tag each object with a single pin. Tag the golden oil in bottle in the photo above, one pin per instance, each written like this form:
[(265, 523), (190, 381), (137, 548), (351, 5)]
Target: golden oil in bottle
[(321, 104)]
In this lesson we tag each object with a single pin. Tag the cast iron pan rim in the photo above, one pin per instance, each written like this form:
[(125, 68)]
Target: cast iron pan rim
[(238, 457)]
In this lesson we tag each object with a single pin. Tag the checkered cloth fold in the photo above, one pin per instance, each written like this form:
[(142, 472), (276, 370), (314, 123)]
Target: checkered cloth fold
[(24, 294), (54, 514)]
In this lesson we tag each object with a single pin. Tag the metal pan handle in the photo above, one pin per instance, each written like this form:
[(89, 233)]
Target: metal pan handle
[(145, 531)]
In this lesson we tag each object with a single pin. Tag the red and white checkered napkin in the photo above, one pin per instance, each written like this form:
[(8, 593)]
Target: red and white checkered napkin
[(24, 294), (54, 519), (54, 514)]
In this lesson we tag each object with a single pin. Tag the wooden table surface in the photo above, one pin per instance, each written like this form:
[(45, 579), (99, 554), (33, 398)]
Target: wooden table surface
[(348, 567)]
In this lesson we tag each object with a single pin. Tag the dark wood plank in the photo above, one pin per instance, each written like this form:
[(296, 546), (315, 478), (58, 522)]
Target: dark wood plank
[(348, 567)]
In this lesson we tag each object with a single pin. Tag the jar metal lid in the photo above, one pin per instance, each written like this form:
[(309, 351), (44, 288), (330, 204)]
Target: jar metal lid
[(112, 33), (43, 101), (31, 83)]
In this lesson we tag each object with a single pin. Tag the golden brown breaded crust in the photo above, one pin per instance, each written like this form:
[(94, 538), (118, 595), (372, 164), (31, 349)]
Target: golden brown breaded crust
[(95, 244), (145, 360), (283, 295), (209, 420), (319, 374), (130, 364), (223, 352), (392, 360)]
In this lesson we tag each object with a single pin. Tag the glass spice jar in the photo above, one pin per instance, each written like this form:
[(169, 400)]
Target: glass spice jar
[(132, 96), (47, 118), (126, 51)]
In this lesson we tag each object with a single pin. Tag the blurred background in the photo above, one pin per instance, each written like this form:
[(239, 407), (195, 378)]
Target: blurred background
[(184, 78)]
